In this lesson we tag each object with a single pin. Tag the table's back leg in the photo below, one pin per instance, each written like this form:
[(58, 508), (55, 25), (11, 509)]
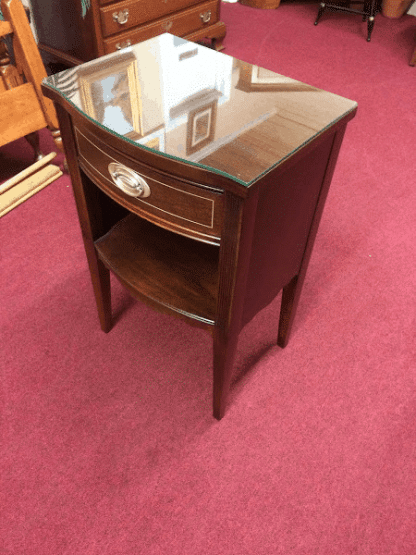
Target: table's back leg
[(292, 291), (290, 299)]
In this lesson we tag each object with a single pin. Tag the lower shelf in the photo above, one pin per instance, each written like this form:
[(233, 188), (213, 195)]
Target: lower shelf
[(175, 272)]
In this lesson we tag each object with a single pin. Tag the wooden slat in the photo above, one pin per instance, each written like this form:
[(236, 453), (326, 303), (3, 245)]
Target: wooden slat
[(27, 188), (5, 28), (26, 172), (14, 12), (23, 101)]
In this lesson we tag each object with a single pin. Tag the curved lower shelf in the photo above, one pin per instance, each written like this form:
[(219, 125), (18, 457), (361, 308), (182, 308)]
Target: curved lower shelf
[(171, 272)]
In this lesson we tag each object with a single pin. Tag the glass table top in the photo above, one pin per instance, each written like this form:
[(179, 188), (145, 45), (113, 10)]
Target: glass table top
[(189, 102)]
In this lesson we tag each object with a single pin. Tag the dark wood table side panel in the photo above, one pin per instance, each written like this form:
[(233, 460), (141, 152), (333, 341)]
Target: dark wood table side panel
[(292, 291), (284, 215)]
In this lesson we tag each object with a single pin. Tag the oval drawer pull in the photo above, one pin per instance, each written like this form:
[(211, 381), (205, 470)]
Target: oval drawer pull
[(128, 180), (206, 16), (125, 44), (121, 17)]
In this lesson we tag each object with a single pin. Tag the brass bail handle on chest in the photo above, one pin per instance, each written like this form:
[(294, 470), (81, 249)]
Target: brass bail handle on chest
[(206, 16), (121, 45), (121, 17), (167, 26)]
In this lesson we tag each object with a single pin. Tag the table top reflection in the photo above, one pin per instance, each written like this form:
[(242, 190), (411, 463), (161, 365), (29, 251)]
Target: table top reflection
[(186, 101)]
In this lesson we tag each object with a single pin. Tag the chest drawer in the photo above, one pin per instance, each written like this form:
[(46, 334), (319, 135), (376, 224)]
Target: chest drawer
[(177, 205), (179, 24), (130, 13)]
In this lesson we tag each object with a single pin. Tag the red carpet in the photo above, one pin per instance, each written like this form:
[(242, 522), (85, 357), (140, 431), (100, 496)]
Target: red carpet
[(108, 446)]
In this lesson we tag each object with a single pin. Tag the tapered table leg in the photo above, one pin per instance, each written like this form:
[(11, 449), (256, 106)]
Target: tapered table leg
[(292, 291), (224, 354), (290, 300), (102, 292), (100, 275)]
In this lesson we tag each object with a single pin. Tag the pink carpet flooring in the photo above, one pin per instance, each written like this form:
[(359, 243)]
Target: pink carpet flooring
[(108, 446)]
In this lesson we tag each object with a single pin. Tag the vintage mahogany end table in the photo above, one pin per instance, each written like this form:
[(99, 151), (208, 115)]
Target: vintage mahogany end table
[(200, 181)]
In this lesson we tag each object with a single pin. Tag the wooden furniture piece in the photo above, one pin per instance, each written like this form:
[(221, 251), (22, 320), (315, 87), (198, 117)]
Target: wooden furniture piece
[(75, 31), (368, 11), (25, 184), (209, 234), (413, 58), (24, 109), (262, 4)]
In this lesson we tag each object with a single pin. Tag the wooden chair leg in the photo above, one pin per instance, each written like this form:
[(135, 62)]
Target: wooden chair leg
[(56, 134), (371, 10), (370, 26), (33, 140), (320, 12)]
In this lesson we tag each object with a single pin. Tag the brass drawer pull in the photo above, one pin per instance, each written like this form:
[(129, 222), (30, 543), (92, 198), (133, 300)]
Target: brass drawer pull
[(124, 44), (128, 180), (206, 16), (121, 17), (167, 26)]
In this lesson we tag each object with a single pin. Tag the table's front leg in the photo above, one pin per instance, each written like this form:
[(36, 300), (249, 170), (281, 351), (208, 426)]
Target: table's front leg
[(87, 206), (225, 347), (235, 251)]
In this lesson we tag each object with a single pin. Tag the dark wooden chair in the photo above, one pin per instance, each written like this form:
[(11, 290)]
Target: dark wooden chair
[(368, 11)]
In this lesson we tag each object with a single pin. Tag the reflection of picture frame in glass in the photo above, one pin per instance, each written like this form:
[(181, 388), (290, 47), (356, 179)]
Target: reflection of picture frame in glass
[(153, 143), (111, 96), (201, 127), (154, 140), (263, 76), (255, 78)]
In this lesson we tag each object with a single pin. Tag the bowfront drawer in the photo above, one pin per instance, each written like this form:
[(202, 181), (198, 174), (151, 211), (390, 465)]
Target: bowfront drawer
[(180, 206), (179, 24), (130, 13)]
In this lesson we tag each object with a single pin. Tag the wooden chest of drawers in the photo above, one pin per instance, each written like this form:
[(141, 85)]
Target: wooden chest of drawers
[(76, 31)]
